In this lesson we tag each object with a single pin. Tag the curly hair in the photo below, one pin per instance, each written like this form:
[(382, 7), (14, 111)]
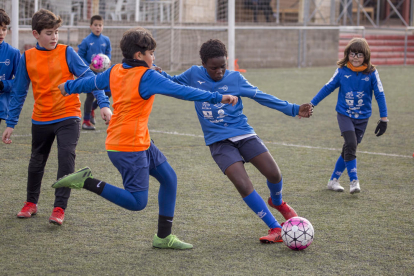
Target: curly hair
[(211, 49)]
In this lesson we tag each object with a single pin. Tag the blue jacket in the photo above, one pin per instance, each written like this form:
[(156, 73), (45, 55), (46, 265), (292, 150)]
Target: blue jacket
[(151, 83), (355, 93), (93, 45), (223, 121), (22, 81), (9, 60)]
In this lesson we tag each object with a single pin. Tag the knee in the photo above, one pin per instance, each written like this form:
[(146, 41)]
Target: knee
[(139, 206), (275, 176), (350, 146)]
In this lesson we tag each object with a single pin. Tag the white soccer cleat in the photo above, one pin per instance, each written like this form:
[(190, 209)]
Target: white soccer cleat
[(354, 187), (335, 186)]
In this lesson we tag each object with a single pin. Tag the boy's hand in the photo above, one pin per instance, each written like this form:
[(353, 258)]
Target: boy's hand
[(93, 69), (381, 127), (6, 135), (106, 114), (156, 68), (62, 89), (305, 110), (229, 99)]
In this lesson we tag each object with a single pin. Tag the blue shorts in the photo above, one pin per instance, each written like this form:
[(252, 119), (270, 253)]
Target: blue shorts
[(226, 152), (349, 124), (135, 166)]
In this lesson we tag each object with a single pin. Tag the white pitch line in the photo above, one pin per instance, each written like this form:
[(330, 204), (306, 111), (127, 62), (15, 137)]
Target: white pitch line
[(274, 143)]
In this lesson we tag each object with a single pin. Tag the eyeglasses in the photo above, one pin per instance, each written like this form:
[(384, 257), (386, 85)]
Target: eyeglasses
[(358, 55)]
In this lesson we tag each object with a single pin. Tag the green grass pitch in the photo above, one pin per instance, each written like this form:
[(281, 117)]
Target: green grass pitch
[(370, 233)]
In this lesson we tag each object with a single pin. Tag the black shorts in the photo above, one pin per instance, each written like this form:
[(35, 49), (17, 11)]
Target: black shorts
[(226, 152), (349, 124)]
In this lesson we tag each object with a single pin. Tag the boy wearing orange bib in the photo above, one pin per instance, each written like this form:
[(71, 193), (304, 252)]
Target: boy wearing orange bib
[(128, 143), (54, 116)]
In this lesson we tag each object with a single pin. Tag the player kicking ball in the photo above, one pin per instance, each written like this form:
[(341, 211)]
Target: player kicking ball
[(128, 142), (232, 140)]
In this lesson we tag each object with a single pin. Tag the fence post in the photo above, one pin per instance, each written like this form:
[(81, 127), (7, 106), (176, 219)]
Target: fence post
[(231, 34)]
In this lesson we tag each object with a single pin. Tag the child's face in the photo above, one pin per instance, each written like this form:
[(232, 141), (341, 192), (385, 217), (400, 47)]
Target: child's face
[(97, 27), (216, 67), (356, 59), (3, 32), (48, 38), (148, 57)]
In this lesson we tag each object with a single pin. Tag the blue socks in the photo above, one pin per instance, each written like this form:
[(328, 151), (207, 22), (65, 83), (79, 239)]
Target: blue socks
[(351, 167), (339, 168), (257, 204), (276, 192)]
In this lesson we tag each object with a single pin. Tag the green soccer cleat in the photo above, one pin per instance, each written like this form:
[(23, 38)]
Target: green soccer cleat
[(170, 242), (74, 180)]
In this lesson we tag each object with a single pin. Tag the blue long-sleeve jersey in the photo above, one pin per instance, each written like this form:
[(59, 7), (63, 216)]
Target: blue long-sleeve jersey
[(9, 60), (355, 93), (152, 83), (93, 45), (223, 121), (22, 81)]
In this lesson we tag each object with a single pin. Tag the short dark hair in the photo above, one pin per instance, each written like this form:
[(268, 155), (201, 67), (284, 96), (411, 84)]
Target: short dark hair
[(45, 19), (211, 49), (136, 40), (96, 17), (4, 18)]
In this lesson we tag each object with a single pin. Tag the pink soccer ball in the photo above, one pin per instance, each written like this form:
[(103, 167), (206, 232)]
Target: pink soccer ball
[(297, 233), (101, 62)]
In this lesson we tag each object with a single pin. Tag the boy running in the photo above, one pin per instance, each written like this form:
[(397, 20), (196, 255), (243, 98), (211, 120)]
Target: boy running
[(232, 140), (54, 116), (128, 142), (9, 60)]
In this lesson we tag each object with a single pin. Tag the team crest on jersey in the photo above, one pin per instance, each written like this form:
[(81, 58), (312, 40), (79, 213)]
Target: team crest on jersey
[(6, 62), (225, 88), (365, 79)]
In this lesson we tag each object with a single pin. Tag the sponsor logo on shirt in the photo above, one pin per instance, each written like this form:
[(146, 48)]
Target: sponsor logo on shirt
[(219, 105), (205, 105), (103, 44), (91, 43), (347, 76), (350, 102), (6, 62), (220, 113), (201, 82), (360, 94), (224, 88), (349, 95), (208, 114)]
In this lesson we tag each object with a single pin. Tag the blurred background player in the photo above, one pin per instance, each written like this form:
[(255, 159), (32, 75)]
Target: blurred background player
[(54, 116), (357, 79), (232, 140), (95, 43), (9, 60), (128, 141)]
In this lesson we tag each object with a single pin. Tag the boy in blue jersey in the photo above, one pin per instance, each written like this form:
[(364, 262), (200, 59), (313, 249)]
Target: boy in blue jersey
[(232, 140), (54, 116), (357, 79), (95, 43), (128, 142), (9, 60)]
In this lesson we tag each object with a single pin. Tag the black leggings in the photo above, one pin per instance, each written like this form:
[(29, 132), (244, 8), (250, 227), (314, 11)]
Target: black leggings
[(350, 145), (90, 104)]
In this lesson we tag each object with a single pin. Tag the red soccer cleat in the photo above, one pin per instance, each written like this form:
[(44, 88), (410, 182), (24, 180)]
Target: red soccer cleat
[(87, 125), (284, 209), (29, 209), (57, 216), (275, 235)]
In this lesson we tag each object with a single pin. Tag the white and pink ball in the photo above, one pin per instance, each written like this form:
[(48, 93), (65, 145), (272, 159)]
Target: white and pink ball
[(297, 233)]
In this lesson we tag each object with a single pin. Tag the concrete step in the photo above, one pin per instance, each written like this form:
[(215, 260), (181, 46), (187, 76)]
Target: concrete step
[(385, 55), (383, 49), (382, 42), (375, 37)]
